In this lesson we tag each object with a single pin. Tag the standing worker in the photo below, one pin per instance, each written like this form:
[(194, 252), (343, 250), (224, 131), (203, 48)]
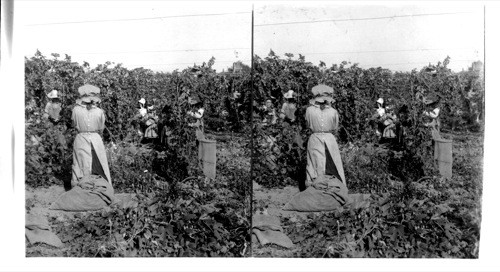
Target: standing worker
[(89, 154), (287, 113), (389, 122), (289, 107), (432, 121), (53, 107), (431, 113), (196, 113), (139, 117), (378, 117), (323, 155), (52, 113)]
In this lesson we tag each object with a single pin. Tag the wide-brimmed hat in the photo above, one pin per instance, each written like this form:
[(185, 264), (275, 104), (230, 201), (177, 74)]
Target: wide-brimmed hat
[(52, 94), (322, 93), (289, 94), (89, 93), (142, 101)]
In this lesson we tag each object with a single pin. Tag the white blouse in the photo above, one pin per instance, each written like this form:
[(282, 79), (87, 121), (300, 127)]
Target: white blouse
[(381, 111), (322, 120), (197, 114), (432, 114)]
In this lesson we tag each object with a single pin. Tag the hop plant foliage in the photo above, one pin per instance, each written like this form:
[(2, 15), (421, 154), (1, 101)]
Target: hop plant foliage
[(180, 214)]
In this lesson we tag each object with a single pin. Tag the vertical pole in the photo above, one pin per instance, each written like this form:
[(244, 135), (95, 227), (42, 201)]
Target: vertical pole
[(252, 136)]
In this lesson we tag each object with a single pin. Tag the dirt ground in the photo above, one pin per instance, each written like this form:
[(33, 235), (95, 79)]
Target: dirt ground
[(38, 202), (272, 202)]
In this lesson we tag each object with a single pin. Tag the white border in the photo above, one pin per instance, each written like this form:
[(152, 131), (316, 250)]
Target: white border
[(12, 250)]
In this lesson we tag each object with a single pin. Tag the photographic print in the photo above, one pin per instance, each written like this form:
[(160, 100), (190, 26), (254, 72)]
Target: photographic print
[(137, 133), (257, 130), (369, 124)]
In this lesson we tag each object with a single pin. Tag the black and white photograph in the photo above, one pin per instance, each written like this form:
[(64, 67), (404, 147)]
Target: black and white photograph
[(369, 131), (137, 130), (239, 135)]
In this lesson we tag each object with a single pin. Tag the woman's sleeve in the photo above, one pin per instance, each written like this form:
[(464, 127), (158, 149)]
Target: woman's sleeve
[(308, 117), (434, 113), (102, 120)]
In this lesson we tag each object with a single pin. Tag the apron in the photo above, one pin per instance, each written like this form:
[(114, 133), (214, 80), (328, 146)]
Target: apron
[(322, 147)]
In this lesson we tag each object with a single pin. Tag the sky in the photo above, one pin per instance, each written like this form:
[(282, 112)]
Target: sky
[(165, 35)]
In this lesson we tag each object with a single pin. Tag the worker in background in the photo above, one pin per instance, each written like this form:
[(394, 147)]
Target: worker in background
[(288, 108), (52, 113), (432, 121), (139, 118), (196, 114), (431, 114), (151, 124), (378, 117), (389, 122)]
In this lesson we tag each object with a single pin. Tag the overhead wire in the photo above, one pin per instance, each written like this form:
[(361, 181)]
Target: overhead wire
[(363, 19), (155, 51), (139, 19), (165, 51)]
